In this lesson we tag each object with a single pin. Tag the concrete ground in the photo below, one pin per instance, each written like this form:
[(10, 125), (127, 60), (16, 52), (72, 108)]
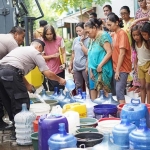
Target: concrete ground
[(6, 143)]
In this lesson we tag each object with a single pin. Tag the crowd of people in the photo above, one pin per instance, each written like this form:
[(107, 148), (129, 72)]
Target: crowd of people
[(117, 51), (105, 54)]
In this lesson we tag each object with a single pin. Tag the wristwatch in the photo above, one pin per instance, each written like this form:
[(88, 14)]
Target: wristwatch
[(65, 65)]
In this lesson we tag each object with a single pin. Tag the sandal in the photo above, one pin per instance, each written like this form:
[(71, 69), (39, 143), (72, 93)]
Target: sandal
[(131, 89)]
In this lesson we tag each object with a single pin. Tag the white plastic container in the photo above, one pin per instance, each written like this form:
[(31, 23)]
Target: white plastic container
[(40, 108), (24, 126), (107, 126), (89, 106), (73, 121)]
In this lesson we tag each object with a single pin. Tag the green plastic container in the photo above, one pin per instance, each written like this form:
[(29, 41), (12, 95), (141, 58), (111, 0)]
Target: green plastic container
[(34, 137), (88, 122), (87, 130)]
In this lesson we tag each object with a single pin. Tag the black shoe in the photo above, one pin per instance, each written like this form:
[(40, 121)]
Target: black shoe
[(5, 126), (13, 135)]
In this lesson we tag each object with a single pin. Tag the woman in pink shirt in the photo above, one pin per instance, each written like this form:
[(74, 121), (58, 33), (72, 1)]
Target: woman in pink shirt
[(51, 50)]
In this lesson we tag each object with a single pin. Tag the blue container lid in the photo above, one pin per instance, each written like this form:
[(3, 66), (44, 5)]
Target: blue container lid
[(62, 136)]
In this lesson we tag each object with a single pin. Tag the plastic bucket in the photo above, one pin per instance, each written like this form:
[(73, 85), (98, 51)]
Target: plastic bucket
[(81, 130), (105, 111), (119, 107), (88, 122), (34, 137), (106, 125), (40, 108)]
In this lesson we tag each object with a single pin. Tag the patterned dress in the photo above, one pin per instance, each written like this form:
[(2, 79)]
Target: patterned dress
[(96, 53)]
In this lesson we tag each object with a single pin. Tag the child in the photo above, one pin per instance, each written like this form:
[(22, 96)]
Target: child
[(143, 62)]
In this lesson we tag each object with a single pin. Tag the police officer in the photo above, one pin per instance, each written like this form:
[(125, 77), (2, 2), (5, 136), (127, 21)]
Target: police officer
[(8, 42), (13, 67)]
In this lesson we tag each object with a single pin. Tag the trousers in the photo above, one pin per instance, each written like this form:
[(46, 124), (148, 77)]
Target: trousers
[(52, 83), (13, 92)]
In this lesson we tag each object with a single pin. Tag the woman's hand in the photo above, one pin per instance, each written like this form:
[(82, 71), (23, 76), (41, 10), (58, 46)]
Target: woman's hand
[(149, 70), (117, 76), (99, 68), (86, 71), (63, 66), (133, 24), (56, 55), (70, 69), (91, 75)]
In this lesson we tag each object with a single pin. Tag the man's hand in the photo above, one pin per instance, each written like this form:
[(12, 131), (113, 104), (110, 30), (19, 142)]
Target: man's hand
[(29, 88), (62, 81)]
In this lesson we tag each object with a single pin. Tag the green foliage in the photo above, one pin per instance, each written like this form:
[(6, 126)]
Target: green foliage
[(68, 45), (61, 6)]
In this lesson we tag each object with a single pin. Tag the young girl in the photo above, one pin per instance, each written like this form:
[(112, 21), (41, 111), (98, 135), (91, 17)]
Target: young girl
[(121, 55), (143, 62)]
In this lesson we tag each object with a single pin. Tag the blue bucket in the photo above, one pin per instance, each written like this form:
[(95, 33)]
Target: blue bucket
[(105, 111)]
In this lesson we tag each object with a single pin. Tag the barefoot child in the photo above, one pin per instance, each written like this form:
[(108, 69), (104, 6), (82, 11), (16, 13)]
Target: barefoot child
[(143, 62)]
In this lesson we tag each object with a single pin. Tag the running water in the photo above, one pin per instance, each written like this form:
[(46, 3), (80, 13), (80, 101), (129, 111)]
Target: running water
[(39, 97)]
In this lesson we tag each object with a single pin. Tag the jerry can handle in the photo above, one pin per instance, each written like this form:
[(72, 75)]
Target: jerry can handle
[(135, 101), (82, 146)]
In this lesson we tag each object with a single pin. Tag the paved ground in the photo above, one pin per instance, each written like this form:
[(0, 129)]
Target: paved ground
[(6, 144)]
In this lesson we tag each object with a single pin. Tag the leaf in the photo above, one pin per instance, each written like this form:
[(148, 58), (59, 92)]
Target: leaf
[(64, 5)]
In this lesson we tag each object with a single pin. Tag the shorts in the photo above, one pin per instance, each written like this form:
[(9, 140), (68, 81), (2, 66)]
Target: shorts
[(143, 72)]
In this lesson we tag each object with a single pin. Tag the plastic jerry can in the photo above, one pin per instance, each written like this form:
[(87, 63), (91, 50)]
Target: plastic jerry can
[(78, 107), (62, 139), (48, 125)]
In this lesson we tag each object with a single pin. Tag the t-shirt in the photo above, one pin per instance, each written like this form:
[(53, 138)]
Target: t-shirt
[(52, 47), (80, 58), (25, 58), (7, 43), (120, 40), (140, 14), (143, 54)]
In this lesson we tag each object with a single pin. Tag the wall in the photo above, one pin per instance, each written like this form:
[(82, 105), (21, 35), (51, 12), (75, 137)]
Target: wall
[(116, 5)]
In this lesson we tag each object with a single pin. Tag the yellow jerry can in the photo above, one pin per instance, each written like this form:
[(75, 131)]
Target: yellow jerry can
[(78, 107), (35, 77)]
